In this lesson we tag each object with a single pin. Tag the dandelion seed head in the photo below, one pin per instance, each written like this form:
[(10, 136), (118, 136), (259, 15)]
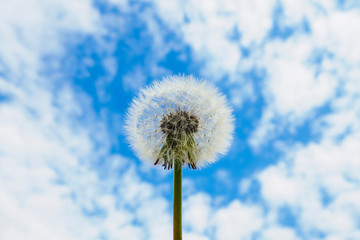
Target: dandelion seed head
[(180, 118)]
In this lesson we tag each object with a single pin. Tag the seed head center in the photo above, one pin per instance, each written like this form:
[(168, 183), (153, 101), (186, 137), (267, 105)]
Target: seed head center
[(177, 123)]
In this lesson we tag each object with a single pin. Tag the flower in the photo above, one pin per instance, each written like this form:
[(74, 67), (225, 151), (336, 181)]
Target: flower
[(180, 119)]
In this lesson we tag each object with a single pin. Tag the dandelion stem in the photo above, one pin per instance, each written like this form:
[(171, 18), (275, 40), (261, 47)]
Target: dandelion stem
[(177, 208)]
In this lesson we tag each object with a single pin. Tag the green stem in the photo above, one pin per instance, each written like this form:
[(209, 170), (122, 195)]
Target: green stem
[(177, 200)]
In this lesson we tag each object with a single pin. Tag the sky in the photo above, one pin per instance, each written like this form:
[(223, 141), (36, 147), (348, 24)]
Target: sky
[(70, 69)]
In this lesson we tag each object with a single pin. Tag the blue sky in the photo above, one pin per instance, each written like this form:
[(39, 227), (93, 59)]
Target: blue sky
[(69, 70)]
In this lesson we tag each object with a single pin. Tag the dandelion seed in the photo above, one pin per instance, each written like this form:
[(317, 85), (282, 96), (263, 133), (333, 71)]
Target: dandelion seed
[(180, 119)]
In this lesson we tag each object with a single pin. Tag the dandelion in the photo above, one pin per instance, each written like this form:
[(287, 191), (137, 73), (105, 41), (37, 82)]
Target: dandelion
[(180, 118), (179, 121)]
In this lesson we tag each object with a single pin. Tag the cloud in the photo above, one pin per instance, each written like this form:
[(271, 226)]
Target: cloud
[(276, 232), (238, 221), (319, 183), (223, 177), (31, 29), (305, 71), (194, 236), (197, 210), (134, 80), (211, 28), (218, 33)]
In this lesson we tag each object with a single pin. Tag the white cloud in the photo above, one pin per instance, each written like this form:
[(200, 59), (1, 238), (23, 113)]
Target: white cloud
[(277, 188), (209, 26), (254, 19), (32, 28), (134, 80), (237, 221), (197, 210), (295, 87), (336, 33), (319, 183), (122, 4), (18, 223), (244, 186), (276, 232), (194, 236), (223, 177), (287, 90), (209, 42)]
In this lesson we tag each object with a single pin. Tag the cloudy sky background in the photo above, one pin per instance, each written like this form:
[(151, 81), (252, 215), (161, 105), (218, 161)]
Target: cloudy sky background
[(68, 72)]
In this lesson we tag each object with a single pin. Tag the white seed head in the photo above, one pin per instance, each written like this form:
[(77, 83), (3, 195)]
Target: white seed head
[(180, 119)]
